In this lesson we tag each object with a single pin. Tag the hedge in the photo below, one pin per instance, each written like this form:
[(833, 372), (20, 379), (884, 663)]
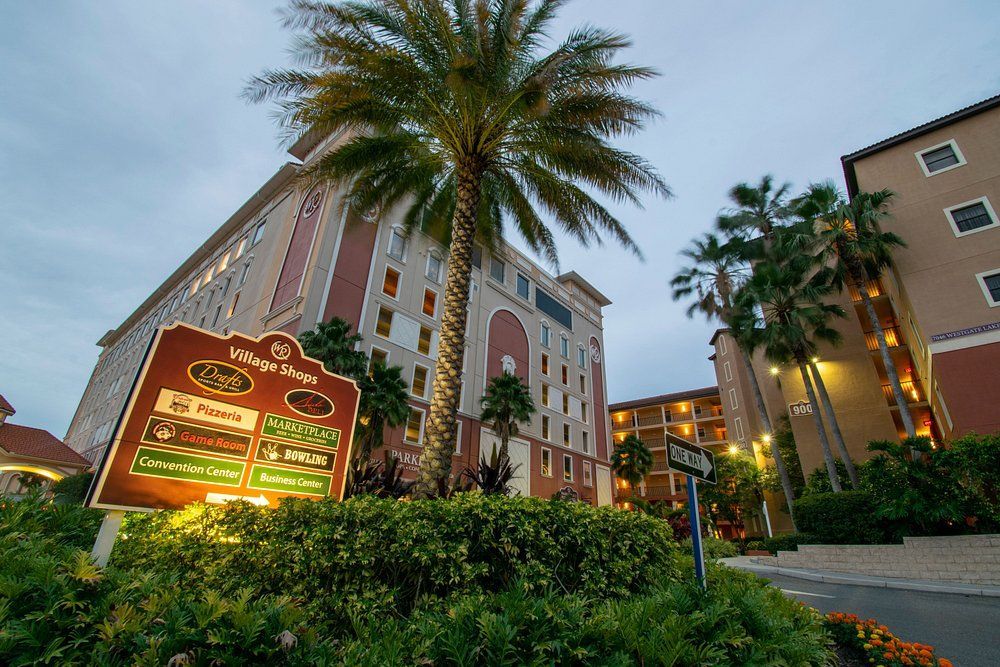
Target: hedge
[(847, 517), (380, 554)]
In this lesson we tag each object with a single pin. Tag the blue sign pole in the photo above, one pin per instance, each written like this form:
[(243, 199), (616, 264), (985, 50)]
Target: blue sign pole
[(695, 520)]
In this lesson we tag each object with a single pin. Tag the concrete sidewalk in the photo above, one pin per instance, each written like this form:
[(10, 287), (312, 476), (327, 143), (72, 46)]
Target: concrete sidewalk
[(745, 563)]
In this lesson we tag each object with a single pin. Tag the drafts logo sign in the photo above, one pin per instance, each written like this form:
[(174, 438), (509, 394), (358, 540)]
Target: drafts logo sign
[(309, 403), (218, 377)]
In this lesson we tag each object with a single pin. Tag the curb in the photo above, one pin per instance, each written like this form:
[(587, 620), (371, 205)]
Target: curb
[(873, 582)]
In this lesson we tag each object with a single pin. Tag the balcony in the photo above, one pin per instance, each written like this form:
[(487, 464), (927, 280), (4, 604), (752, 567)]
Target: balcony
[(654, 443), (618, 425), (893, 338), (653, 420), (661, 493), (874, 290), (912, 390), (660, 466), (678, 416)]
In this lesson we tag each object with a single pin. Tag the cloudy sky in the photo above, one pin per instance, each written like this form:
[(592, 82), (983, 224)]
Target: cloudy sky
[(124, 144)]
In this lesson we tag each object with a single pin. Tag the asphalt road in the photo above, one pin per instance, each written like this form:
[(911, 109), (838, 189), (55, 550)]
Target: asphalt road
[(963, 628)]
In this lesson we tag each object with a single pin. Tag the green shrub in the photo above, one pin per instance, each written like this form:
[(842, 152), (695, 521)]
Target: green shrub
[(379, 554), (713, 548), (67, 525), (755, 545), (839, 518), (72, 489), (788, 541)]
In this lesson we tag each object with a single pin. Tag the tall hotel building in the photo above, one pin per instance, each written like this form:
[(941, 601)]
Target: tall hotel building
[(291, 257)]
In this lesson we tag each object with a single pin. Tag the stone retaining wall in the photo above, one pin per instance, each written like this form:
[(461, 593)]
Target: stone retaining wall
[(967, 559)]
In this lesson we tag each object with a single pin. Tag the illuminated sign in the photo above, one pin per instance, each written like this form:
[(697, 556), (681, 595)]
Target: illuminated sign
[(800, 409), (213, 418)]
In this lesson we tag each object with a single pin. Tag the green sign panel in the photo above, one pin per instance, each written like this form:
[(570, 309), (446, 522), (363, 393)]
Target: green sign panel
[(275, 451), (267, 478), (298, 431), (162, 431), (691, 460), (152, 462)]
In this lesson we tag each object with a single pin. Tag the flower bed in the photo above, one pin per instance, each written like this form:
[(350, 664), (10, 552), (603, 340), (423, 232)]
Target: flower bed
[(873, 643)]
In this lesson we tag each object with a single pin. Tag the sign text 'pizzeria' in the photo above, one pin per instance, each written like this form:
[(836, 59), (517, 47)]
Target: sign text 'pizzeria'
[(214, 419)]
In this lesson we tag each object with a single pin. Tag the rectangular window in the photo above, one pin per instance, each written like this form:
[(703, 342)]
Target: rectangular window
[(567, 439), (972, 216), (588, 473), (546, 428), (551, 307), (581, 357), (739, 429), (241, 246), (383, 326), (377, 356), (583, 412), (564, 347), (429, 307), (224, 262), (722, 344), (258, 233), (418, 386), (732, 399), (546, 462), (585, 441), (433, 267), (215, 318), (565, 404), (545, 364), (458, 437), (545, 395), (990, 282), (390, 283), (477, 257), (728, 370), (546, 335), (497, 269), (397, 245), (567, 468), (424, 343), (565, 375), (523, 287), (583, 384), (940, 158), (414, 433)]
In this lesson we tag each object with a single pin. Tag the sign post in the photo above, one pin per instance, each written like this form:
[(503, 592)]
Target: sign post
[(214, 419), (697, 463)]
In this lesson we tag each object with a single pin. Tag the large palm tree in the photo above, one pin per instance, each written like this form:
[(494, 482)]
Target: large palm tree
[(784, 302), (455, 110), (757, 213), (384, 403), (851, 235), (712, 278), (506, 403), (632, 460)]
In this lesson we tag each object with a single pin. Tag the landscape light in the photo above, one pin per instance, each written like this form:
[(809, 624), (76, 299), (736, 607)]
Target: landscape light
[(775, 370), (815, 360), (766, 438), (734, 449)]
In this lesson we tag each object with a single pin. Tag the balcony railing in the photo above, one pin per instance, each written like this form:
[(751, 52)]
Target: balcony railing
[(625, 423), (874, 290), (912, 390), (657, 492), (655, 442), (893, 338), (678, 416), (654, 420), (660, 466)]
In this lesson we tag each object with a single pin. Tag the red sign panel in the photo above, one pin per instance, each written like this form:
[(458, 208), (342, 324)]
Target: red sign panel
[(213, 419)]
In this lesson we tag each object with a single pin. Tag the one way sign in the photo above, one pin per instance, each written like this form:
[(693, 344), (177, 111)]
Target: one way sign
[(691, 460)]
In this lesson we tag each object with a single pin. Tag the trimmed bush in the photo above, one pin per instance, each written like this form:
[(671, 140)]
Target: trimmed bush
[(379, 555), (839, 518), (714, 548), (788, 541), (72, 489)]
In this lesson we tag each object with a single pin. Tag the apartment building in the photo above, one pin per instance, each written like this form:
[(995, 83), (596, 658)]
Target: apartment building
[(292, 256)]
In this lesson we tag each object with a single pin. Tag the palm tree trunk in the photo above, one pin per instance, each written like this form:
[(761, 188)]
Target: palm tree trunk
[(831, 466), (831, 417), (779, 462), (890, 367), (439, 446)]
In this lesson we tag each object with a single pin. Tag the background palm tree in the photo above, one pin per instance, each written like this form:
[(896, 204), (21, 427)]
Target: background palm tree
[(715, 273), (384, 403), (850, 235), (333, 343), (454, 109), (758, 211), (783, 304), (507, 402), (632, 460)]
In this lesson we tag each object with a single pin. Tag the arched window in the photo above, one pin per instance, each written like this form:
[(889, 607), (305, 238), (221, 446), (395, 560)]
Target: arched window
[(397, 244), (546, 334), (435, 266)]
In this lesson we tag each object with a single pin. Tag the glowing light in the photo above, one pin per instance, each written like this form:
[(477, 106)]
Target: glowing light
[(815, 360), (775, 370), (734, 449), (766, 438)]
